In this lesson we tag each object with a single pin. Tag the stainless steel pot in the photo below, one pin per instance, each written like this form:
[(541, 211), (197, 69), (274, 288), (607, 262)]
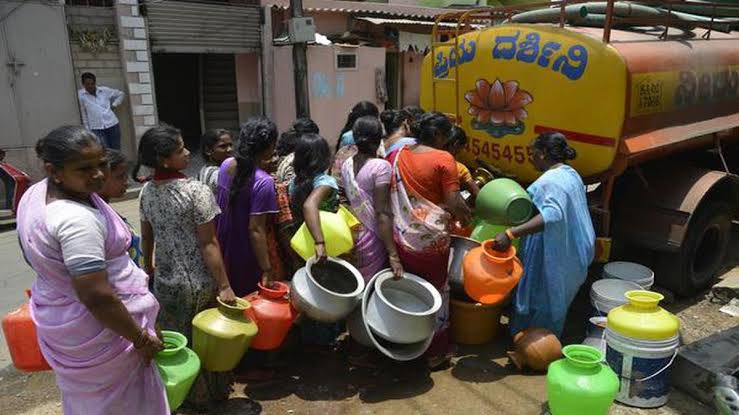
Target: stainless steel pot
[(458, 249), (319, 303), (402, 311), (357, 330), (395, 351)]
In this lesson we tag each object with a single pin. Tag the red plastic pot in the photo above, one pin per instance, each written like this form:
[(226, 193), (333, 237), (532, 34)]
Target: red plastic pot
[(271, 310)]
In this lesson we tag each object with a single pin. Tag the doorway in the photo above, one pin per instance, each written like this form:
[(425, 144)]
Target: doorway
[(176, 81), (392, 80), (196, 92)]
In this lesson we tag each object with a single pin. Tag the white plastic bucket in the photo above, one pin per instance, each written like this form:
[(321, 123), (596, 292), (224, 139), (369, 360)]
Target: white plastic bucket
[(643, 367), (608, 294), (630, 271), (595, 333)]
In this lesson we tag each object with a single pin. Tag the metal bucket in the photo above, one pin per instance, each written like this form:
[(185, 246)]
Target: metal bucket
[(403, 311), (458, 249)]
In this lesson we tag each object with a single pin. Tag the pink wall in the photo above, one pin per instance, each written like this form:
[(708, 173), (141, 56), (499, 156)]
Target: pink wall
[(412, 63), (332, 92), (283, 93), (248, 85)]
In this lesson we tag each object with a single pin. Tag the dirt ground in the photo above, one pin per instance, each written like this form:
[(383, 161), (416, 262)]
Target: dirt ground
[(480, 380)]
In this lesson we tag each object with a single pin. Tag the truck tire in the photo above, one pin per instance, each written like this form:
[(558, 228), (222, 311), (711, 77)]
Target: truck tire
[(702, 254)]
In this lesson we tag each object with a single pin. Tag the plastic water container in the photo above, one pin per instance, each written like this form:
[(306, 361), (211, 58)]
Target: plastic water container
[(643, 366), (641, 345), (630, 271), (595, 333), (503, 201), (608, 294)]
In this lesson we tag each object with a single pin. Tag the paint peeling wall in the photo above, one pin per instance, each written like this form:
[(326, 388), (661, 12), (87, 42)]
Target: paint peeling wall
[(332, 92)]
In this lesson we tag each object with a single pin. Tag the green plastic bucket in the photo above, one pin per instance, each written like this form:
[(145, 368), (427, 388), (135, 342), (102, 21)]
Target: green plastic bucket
[(178, 366), (503, 201)]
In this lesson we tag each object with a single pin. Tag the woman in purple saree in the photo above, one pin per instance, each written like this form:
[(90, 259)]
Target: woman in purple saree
[(91, 305)]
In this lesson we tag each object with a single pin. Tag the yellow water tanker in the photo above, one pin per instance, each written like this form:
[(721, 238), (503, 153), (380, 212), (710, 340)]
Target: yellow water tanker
[(506, 84)]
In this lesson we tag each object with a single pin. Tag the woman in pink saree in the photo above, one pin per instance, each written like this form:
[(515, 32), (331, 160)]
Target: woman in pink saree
[(366, 181), (91, 305), (424, 196)]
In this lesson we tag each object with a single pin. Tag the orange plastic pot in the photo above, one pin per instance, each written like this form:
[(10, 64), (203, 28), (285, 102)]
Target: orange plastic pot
[(274, 315), (489, 275), (20, 335), (474, 323)]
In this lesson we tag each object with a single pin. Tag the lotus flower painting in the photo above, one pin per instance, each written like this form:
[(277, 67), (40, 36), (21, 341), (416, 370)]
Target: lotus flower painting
[(499, 108)]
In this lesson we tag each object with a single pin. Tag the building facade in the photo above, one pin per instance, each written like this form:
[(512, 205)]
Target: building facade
[(199, 64)]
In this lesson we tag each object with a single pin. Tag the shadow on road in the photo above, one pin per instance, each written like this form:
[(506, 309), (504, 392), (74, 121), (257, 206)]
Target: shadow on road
[(312, 375)]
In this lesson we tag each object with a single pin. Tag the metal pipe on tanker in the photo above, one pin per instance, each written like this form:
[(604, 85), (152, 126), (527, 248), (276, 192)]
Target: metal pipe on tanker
[(622, 9), (731, 21), (729, 9), (575, 11)]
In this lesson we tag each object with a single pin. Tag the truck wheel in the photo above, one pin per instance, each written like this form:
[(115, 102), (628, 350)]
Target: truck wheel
[(702, 254)]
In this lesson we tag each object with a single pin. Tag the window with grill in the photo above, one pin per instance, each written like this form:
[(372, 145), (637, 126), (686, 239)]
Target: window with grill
[(346, 61)]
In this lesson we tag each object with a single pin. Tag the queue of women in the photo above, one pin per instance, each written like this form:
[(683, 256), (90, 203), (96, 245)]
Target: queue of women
[(100, 297)]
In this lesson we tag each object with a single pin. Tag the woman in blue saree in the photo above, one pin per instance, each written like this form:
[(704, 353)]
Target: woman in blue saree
[(558, 243)]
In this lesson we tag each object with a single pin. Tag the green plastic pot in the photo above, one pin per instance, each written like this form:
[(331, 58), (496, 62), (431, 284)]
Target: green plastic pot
[(484, 231), (178, 366), (581, 383), (503, 201), (221, 336)]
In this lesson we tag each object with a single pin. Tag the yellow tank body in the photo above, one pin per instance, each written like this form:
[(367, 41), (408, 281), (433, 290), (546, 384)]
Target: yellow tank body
[(515, 81)]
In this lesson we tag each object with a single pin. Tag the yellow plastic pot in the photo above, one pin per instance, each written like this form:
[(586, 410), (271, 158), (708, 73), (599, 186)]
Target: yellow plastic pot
[(474, 323), (337, 233), (643, 318), (221, 336)]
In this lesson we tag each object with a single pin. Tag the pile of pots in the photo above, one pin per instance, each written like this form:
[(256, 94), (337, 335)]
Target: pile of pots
[(480, 280), (397, 317)]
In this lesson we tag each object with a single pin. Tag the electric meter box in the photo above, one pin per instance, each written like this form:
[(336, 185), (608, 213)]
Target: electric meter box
[(301, 29)]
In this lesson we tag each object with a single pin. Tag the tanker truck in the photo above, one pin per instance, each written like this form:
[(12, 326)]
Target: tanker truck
[(652, 111)]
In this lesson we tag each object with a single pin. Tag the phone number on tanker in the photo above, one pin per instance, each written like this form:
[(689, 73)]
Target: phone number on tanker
[(496, 151)]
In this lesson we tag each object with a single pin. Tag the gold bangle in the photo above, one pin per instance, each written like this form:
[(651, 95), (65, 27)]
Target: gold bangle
[(509, 234)]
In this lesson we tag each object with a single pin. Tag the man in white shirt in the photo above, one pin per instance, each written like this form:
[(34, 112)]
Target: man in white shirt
[(96, 106)]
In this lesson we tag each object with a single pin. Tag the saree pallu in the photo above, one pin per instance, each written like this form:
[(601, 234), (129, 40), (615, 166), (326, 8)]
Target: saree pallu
[(369, 255)]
